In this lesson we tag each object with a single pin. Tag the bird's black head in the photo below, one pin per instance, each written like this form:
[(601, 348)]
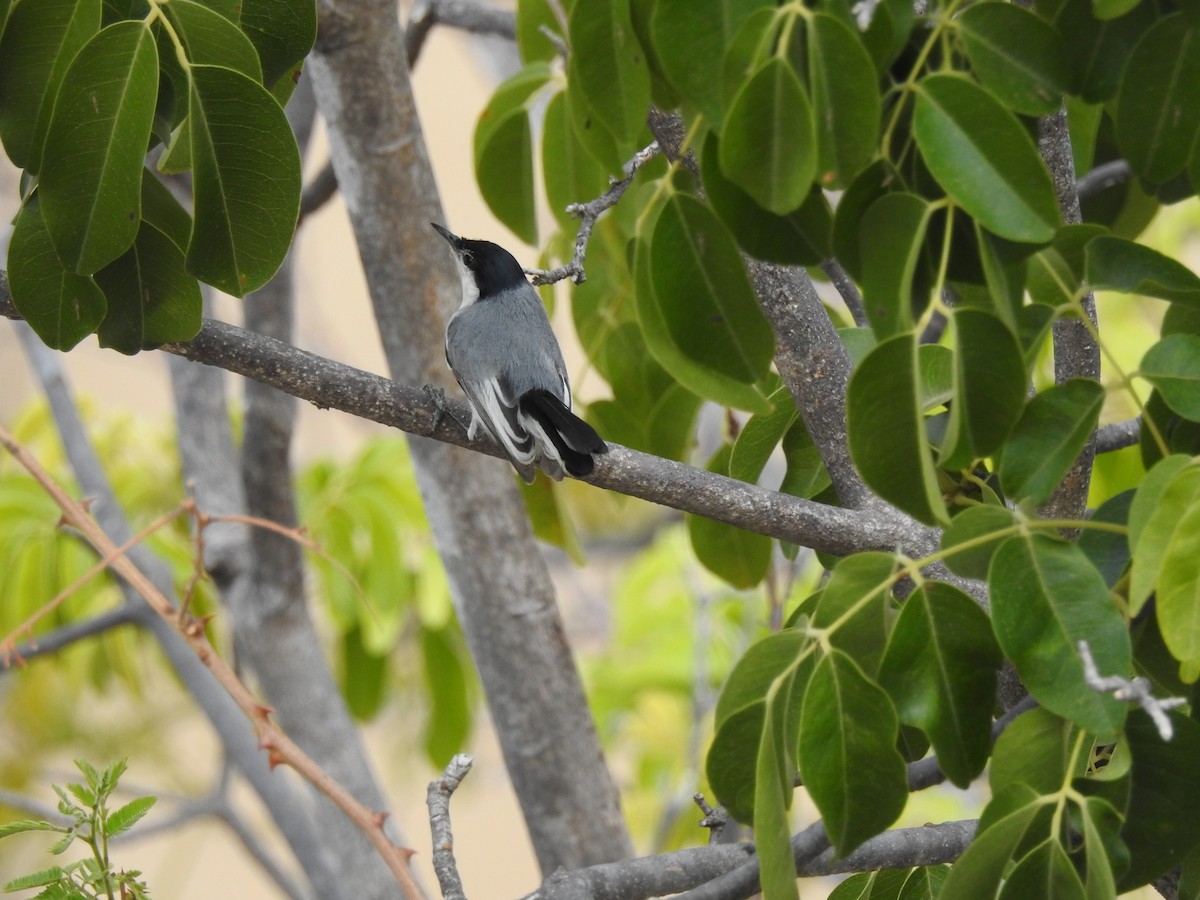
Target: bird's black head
[(491, 266)]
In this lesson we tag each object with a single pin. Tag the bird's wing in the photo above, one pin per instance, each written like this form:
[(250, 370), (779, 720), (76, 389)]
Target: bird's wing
[(494, 403)]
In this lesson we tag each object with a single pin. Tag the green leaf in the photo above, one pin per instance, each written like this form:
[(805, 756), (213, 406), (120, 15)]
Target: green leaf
[(62, 307), (940, 670), (768, 144), (1035, 752), (1115, 264), (1017, 55), (1178, 598), (774, 778), (91, 181), (1045, 872), (571, 174), (121, 820), (504, 171), (740, 557), (1173, 366), (1157, 116), (211, 39), (759, 666), (856, 599), (984, 159), (759, 437), (531, 41), (609, 68), (799, 238), (989, 387), (449, 723), (1107, 550), (151, 298), (1046, 597), (806, 475), (689, 35), (697, 377), (871, 184), (1169, 490), (978, 872), (24, 825), (732, 763), (704, 295), (847, 752), (886, 430), (39, 42), (972, 525), (891, 240), (846, 103), (1099, 50), (1161, 826), (282, 31), (247, 193), (35, 879), (1048, 437)]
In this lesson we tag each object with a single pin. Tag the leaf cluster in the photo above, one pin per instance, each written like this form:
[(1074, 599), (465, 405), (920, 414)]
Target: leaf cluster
[(86, 808), (89, 88), (926, 127)]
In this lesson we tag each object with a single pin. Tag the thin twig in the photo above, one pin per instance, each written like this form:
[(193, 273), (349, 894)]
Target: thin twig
[(588, 213), (849, 291), (1102, 177), (53, 641), (437, 798), (280, 748), (1136, 690)]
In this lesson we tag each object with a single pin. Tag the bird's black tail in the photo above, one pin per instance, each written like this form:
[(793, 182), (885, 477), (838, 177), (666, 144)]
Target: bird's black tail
[(574, 439)]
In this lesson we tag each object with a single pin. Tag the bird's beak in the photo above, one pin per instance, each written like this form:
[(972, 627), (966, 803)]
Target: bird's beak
[(451, 238)]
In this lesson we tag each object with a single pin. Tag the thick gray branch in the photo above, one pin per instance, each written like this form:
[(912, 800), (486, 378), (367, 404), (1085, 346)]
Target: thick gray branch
[(1118, 435)]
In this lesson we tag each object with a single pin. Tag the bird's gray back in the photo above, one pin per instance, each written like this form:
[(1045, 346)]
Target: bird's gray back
[(509, 338)]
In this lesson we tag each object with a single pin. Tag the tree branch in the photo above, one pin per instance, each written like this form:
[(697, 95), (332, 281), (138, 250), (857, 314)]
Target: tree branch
[(1118, 435), (437, 798), (52, 642)]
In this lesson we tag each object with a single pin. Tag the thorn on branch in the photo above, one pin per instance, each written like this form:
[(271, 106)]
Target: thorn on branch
[(587, 214), (715, 819), (1136, 690)]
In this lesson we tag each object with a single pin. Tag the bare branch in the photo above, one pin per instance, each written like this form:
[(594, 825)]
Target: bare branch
[(1126, 690), (281, 749), (1102, 177), (52, 642), (901, 848), (437, 798), (1118, 435), (849, 291), (588, 213)]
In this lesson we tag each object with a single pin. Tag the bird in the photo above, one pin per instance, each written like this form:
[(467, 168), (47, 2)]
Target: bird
[(502, 350)]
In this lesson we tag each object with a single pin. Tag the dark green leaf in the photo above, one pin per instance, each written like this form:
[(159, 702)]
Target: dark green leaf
[(609, 67), (978, 872), (1098, 50), (759, 666), (847, 752), (40, 40), (1034, 751), (211, 39), (799, 238), (151, 298), (91, 182), (1046, 597), (689, 36), (504, 171), (845, 97), (1108, 550), (1161, 826), (989, 387), (891, 239), (886, 430), (247, 193), (984, 159), (1045, 872), (1157, 116), (774, 780), (1115, 264), (759, 437), (975, 526), (733, 759), (62, 307), (282, 31), (740, 557), (1017, 55), (1049, 436), (854, 605), (571, 174), (695, 376), (163, 211), (1173, 366), (940, 670), (704, 294), (768, 146), (806, 475), (871, 184)]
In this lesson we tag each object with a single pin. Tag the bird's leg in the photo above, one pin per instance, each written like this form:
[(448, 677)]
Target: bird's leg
[(441, 408)]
